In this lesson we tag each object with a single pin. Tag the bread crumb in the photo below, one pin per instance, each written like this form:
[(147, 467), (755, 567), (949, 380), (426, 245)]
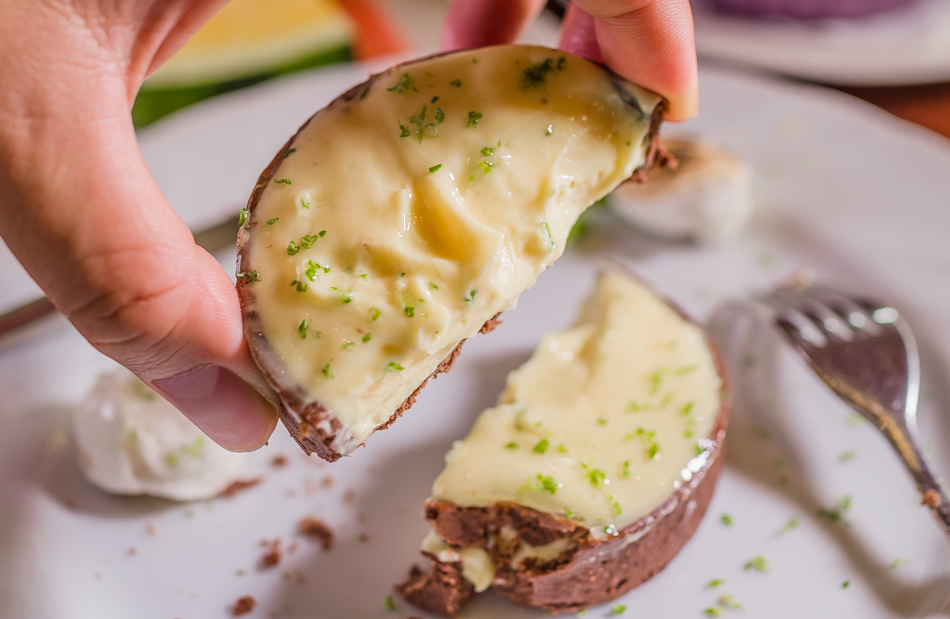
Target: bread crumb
[(314, 527), (931, 498), (279, 461), (244, 605), (272, 556), (239, 485)]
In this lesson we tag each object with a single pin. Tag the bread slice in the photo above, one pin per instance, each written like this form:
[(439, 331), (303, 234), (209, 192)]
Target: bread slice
[(404, 216), (593, 470)]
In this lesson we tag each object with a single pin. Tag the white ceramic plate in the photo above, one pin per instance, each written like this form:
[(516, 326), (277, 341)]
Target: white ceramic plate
[(841, 188), (906, 46)]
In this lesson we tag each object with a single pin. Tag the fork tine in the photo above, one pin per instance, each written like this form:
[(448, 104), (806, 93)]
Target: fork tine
[(793, 321), (827, 318), (858, 313)]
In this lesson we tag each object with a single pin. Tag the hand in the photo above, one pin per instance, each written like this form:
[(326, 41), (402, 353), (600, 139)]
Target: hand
[(81, 212), (650, 42)]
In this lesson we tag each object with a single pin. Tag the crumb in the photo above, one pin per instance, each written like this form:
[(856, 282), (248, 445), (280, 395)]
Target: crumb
[(238, 486), (349, 497), (314, 527), (931, 498), (244, 605), (149, 529), (132, 552), (326, 482), (292, 547), (272, 556), (279, 461)]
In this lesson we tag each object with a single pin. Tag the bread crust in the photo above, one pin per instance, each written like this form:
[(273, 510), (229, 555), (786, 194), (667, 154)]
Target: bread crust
[(315, 427)]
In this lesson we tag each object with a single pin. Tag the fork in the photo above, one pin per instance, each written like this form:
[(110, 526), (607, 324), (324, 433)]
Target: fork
[(865, 351)]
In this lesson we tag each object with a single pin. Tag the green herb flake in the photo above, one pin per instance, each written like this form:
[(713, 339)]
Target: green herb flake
[(542, 446), (687, 408), (312, 268), (308, 240), (404, 131), (392, 366), (846, 584), (374, 313), (249, 276), (239, 573), (433, 285), (367, 337), (365, 91), (848, 456), (536, 76), (597, 478), (301, 286), (410, 311), (837, 512), (473, 118), (728, 601), (791, 524), (403, 84), (282, 181), (549, 130), (897, 563), (326, 370), (511, 445), (242, 216), (271, 222), (759, 564), (435, 168), (388, 603), (470, 297), (457, 83), (439, 115), (547, 228), (716, 582), (727, 520), (171, 460), (619, 609), (302, 328), (292, 248), (625, 469), (712, 611), (547, 483), (289, 152)]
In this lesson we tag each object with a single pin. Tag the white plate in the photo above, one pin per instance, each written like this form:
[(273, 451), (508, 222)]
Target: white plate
[(910, 45), (841, 188)]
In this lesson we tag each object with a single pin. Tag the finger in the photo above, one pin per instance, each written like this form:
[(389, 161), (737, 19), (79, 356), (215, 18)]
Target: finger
[(650, 42), (84, 216), (475, 23)]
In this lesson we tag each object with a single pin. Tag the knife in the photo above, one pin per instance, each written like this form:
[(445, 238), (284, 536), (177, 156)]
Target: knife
[(212, 239)]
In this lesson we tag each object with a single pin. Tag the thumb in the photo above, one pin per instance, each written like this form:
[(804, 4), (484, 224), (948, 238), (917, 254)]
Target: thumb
[(82, 213)]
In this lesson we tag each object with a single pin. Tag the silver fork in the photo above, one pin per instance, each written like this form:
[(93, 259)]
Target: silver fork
[(866, 352)]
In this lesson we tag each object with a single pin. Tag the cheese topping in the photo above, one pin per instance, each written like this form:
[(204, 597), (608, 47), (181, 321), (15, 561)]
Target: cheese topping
[(412, 210), (603, 423)]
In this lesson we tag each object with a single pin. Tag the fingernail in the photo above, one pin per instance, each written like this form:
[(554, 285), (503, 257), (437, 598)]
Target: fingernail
[(222, 405)]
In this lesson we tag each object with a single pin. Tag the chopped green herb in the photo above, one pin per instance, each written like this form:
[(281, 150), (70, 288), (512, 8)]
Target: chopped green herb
[(250, 276), (326, 370), (758, 564), (846, 584), (848, 455), (433, 286), (727, 520), (435, 168), (433, 99), (728, 601), (403, 131), (388, 603), (392, 366), (687, 408), (712, 611), (410, 311), (282, 181), (548, 483), (716, 582), (542, 446), (239, 573), (547, 228), (549, 130), (625, 469), (363, 275), (374, 313), (308, 240), (470, 298), (485, 166), (537, 75), (271, 222), (242, 216), (457, 83), (289, 152), (403, 84), (597, 478), (292, 248), (601, 422), (171, 460), (897, 563), (312, 268), (365, 91), (619, 609), (615, 506), (367, 337), (511, 445), (301, 286), (837, 512), (439, 115), (473, 118), (793, 523), (562, 448), (302, 328)]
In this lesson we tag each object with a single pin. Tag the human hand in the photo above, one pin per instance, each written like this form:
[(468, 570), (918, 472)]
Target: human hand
[(650, 42), (81, 212)]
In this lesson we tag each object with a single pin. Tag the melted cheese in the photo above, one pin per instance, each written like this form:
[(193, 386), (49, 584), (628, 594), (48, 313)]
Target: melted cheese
[(603, 423), (411, 211)]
